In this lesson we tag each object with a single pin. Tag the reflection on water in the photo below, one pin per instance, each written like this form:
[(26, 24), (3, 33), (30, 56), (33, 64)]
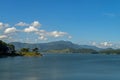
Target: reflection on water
[(61, 67)]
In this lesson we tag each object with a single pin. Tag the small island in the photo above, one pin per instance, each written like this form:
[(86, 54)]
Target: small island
[(27, 52)]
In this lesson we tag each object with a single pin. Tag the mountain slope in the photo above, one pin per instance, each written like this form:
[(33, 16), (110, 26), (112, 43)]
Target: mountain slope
[(52, 45)]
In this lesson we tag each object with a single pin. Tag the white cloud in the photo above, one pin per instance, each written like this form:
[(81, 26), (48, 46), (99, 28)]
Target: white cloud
[(21, 24), (103, 44), (57, 34), (3, 25), (69, 37), (33, 28), (36, 24), (42, 31), (3, 36), (33, 24), (42, 38), (94, 43), (106, 44), (10, 30), (30, 29), (6, 25), (43, 35)]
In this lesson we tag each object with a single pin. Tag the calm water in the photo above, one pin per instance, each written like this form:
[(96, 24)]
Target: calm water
[(61, 67)]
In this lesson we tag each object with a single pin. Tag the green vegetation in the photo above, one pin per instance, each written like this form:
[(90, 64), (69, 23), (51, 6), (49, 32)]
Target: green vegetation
[(59, 51), (27, 52), (24, 50), (36, 50), (9, 50), (71, 50), (84, 50), (30, 54), (110, 51)]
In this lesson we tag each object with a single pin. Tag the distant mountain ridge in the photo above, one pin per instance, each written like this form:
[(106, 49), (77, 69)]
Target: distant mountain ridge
[(52, 45)]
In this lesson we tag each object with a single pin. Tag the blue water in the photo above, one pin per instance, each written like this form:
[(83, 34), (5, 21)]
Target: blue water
[(61, 67)]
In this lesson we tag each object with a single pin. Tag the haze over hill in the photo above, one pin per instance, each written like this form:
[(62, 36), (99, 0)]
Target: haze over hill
[(53, 45)]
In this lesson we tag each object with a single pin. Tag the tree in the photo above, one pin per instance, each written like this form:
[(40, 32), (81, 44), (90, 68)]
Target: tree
[(7, 49), (11, 48), (3, 48), (35, 50), (24, 50)]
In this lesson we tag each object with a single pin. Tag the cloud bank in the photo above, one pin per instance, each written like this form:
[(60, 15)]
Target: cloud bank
[(22, 24), (3, 36), (3, 25), (32, 31), (104, 44), (10, 30)]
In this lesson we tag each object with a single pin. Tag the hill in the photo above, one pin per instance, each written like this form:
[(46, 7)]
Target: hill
[(56, 45)]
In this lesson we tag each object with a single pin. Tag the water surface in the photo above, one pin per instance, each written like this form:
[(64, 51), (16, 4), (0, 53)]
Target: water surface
[(61, 67)]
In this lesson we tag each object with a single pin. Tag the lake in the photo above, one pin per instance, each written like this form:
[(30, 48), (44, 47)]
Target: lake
[(61, 67)]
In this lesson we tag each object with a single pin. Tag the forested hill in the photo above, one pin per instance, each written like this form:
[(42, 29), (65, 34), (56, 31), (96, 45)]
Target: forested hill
[(56, 45), (6, 49)]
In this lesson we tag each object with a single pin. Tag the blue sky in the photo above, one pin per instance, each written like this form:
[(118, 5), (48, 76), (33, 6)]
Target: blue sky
[(94, 22)]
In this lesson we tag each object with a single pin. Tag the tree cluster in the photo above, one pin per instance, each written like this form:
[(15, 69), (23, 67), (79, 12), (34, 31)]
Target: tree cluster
[(7, 49)]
